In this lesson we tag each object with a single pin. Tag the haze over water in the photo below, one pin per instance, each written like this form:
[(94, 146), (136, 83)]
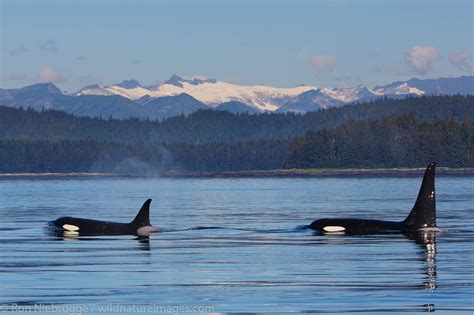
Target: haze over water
[(238, 245)]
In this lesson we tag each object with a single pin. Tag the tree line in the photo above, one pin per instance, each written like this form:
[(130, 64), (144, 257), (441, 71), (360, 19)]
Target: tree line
[(220, 126), (381, 133), (386, 142), (63, 156)]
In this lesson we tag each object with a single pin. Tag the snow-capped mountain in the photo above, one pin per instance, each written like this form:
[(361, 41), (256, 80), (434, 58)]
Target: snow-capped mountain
[(94, 89), (209, 91), (460, 85), (398, 88), (129, 84), (178, 81), (266, 98), (326, 97), (349, 95), (185, 95), (310, 101)]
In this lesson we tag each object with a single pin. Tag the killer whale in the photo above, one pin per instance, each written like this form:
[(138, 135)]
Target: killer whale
[(140, 226), (421, 217)]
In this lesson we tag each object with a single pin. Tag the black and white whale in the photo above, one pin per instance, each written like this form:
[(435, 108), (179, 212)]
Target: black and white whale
[(421, 217), (140, 226)]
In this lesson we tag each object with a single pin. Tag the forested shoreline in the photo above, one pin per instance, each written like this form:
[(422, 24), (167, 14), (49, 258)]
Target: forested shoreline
[(386, 142), (382, 133)]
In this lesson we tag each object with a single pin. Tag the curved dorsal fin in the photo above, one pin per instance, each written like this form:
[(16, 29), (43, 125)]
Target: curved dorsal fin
[(143, 216), (423, 213)]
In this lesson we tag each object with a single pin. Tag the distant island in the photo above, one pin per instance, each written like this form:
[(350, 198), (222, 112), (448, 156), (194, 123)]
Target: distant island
[(383, 133)]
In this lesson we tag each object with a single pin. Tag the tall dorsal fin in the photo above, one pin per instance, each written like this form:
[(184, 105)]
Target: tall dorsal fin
[(143, 216), (423, 213)]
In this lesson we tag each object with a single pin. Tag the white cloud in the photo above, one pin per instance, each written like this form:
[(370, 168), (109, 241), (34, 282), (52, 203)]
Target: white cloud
[(462, 60), (47, 75), (323, 63), (421, 58)]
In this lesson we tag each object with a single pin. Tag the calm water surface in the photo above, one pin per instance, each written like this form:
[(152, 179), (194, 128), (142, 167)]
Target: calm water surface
[(238, 245)]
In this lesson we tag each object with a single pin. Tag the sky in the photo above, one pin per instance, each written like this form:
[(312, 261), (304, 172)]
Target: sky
[(332, 43)]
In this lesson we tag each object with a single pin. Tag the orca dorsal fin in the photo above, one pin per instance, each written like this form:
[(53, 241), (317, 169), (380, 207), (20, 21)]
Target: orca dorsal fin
[(143, 216), (423, 213)]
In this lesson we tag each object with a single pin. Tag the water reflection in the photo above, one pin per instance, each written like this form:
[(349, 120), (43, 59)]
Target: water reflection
[(427, 240), (266, 265), (424, 257), (144, 243)]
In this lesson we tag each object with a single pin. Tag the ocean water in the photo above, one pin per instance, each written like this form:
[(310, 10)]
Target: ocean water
[(234, 246)]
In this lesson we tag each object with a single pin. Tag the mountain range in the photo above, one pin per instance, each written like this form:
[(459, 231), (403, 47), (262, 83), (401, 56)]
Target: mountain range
[(179, 95)]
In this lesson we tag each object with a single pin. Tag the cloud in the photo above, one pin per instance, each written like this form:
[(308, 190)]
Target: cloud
[(323, 63), (81, 58), (462, 61), (421, 58), (14, 77), (19, 50), (48, 75), (49, 45)]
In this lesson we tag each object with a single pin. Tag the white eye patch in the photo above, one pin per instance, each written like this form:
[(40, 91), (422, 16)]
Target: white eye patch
[(70, 227), (334, 228)]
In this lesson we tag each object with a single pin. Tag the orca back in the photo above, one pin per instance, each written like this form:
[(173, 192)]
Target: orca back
[(140, 225), (423, 214)]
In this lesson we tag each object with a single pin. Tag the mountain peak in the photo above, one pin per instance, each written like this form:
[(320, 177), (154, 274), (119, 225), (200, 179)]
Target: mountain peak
[(43, 87), (185, 97), (129, 84), (313, 92), (176, 80), (199, 79), (91, 86)]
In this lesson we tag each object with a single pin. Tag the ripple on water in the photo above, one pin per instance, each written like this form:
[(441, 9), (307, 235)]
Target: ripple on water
[(240, 250)]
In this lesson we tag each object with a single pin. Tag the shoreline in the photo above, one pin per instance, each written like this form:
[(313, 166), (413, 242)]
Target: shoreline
[(302, 173)]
